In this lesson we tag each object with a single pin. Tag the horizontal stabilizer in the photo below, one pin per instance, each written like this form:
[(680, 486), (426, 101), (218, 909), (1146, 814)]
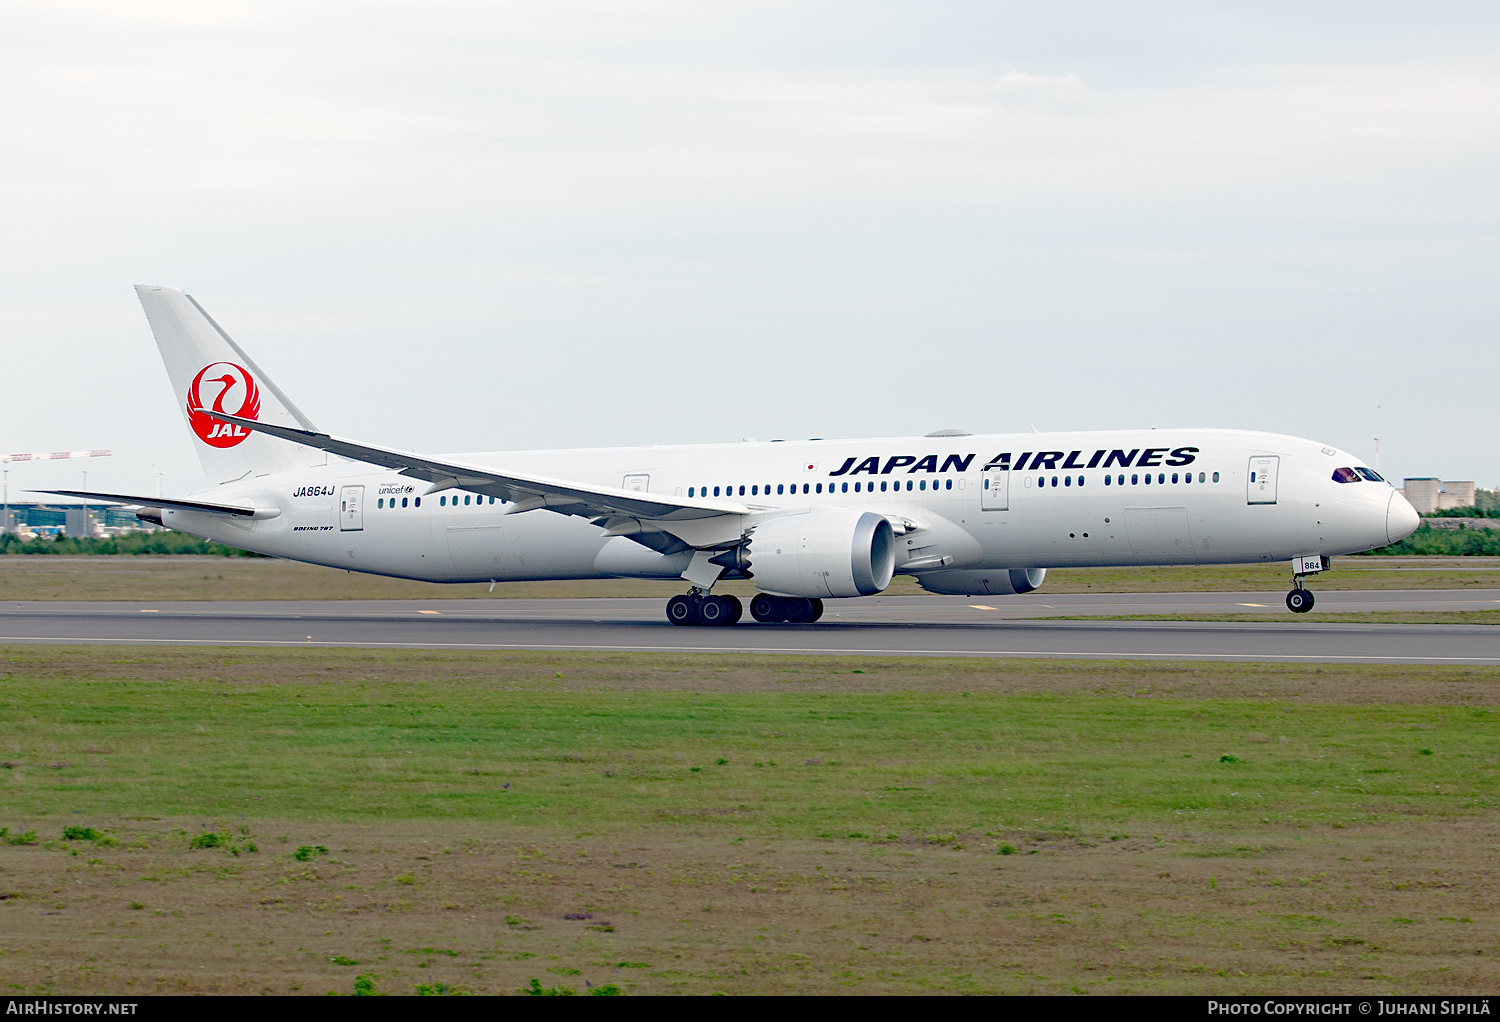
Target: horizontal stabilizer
[(163, 502)]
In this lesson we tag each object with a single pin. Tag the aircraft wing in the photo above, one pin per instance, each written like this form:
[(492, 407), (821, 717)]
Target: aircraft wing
[(162, 502), (526, 492)]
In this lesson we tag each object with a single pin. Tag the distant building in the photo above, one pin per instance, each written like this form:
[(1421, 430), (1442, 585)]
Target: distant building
[(1428, 494), (30, 520)]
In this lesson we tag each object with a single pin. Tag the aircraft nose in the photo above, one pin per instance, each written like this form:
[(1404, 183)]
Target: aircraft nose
[(1401, 519)]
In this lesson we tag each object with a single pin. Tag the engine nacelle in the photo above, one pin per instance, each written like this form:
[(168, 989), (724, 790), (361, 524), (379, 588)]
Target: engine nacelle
[(999, 582), (822, 554)]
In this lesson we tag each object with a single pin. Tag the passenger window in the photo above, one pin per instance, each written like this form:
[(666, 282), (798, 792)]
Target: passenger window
[(1080, 480), (442, 501), (1200, 477), (417, 502), (908, 486), (1174, 477), (754, 491), (949, 486), (1252, 477), (403, 501), (1345, 475), (690, 490), (1107, 479), (1067, 480), (1216, 477), (1054, 481), (1120, 480), (856, 487), (466, 500), (781, 487), (742, 491), (882, 486), (716, 491), (1147, 478)]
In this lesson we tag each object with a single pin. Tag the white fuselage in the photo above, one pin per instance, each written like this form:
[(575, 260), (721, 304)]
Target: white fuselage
[(1072, 502)]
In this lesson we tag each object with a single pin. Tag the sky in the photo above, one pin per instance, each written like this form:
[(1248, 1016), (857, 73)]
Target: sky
[(461, 226)]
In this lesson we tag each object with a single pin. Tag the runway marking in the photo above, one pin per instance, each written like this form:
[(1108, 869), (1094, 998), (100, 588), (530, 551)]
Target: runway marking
[(863, 651), (150, 612), (980, 606), (429, 612)]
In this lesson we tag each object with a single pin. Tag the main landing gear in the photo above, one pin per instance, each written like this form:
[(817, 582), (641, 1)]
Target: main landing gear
[(792, 609), (698, 608)]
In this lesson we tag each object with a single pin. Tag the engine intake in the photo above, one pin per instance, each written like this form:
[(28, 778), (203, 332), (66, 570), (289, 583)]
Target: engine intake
[(823, 554)]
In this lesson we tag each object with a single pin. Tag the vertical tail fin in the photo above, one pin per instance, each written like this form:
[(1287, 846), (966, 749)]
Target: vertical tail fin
[(210, 373)]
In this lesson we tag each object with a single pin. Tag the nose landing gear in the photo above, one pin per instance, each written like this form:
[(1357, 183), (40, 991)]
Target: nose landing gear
[(1300, 600)]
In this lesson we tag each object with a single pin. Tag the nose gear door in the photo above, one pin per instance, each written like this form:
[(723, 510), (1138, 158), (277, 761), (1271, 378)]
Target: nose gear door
[(1261, 480), (351, 508)]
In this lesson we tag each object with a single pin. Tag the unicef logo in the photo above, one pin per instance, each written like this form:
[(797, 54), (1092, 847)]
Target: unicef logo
[(222, 387)]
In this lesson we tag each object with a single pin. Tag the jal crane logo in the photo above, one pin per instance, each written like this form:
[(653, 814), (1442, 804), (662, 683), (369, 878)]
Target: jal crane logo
[(222, 387)]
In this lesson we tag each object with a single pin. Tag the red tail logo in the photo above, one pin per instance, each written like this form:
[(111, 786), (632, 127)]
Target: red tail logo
[(222, 387)]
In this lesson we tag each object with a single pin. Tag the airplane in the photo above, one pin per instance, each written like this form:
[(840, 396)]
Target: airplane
[(808, 521)]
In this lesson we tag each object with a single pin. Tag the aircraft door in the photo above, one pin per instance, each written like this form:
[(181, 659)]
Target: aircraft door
[(1261, 480), (994, 489), (638, 483), (351, 508)]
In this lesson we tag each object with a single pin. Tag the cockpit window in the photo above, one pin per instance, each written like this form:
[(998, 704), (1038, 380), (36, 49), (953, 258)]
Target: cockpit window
[(1370, 474), (1345, 475)]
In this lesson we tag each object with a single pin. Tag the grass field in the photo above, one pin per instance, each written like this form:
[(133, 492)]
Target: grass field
[(148, 578), (742, 824)]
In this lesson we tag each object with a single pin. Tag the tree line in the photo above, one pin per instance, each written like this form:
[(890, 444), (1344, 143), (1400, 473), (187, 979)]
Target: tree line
[(130, 543)]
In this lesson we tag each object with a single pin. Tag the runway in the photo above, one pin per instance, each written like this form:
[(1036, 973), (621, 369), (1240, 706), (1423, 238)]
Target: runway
[(886, 626)]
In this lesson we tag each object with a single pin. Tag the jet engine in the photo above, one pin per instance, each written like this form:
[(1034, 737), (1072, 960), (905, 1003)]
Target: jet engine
[(999, 582), (821, 554)]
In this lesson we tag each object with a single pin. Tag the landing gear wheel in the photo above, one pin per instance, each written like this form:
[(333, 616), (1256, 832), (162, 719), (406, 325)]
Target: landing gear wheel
[(720, 610), (767, 608), (802, 611), (1299, 601), (684, 610)]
